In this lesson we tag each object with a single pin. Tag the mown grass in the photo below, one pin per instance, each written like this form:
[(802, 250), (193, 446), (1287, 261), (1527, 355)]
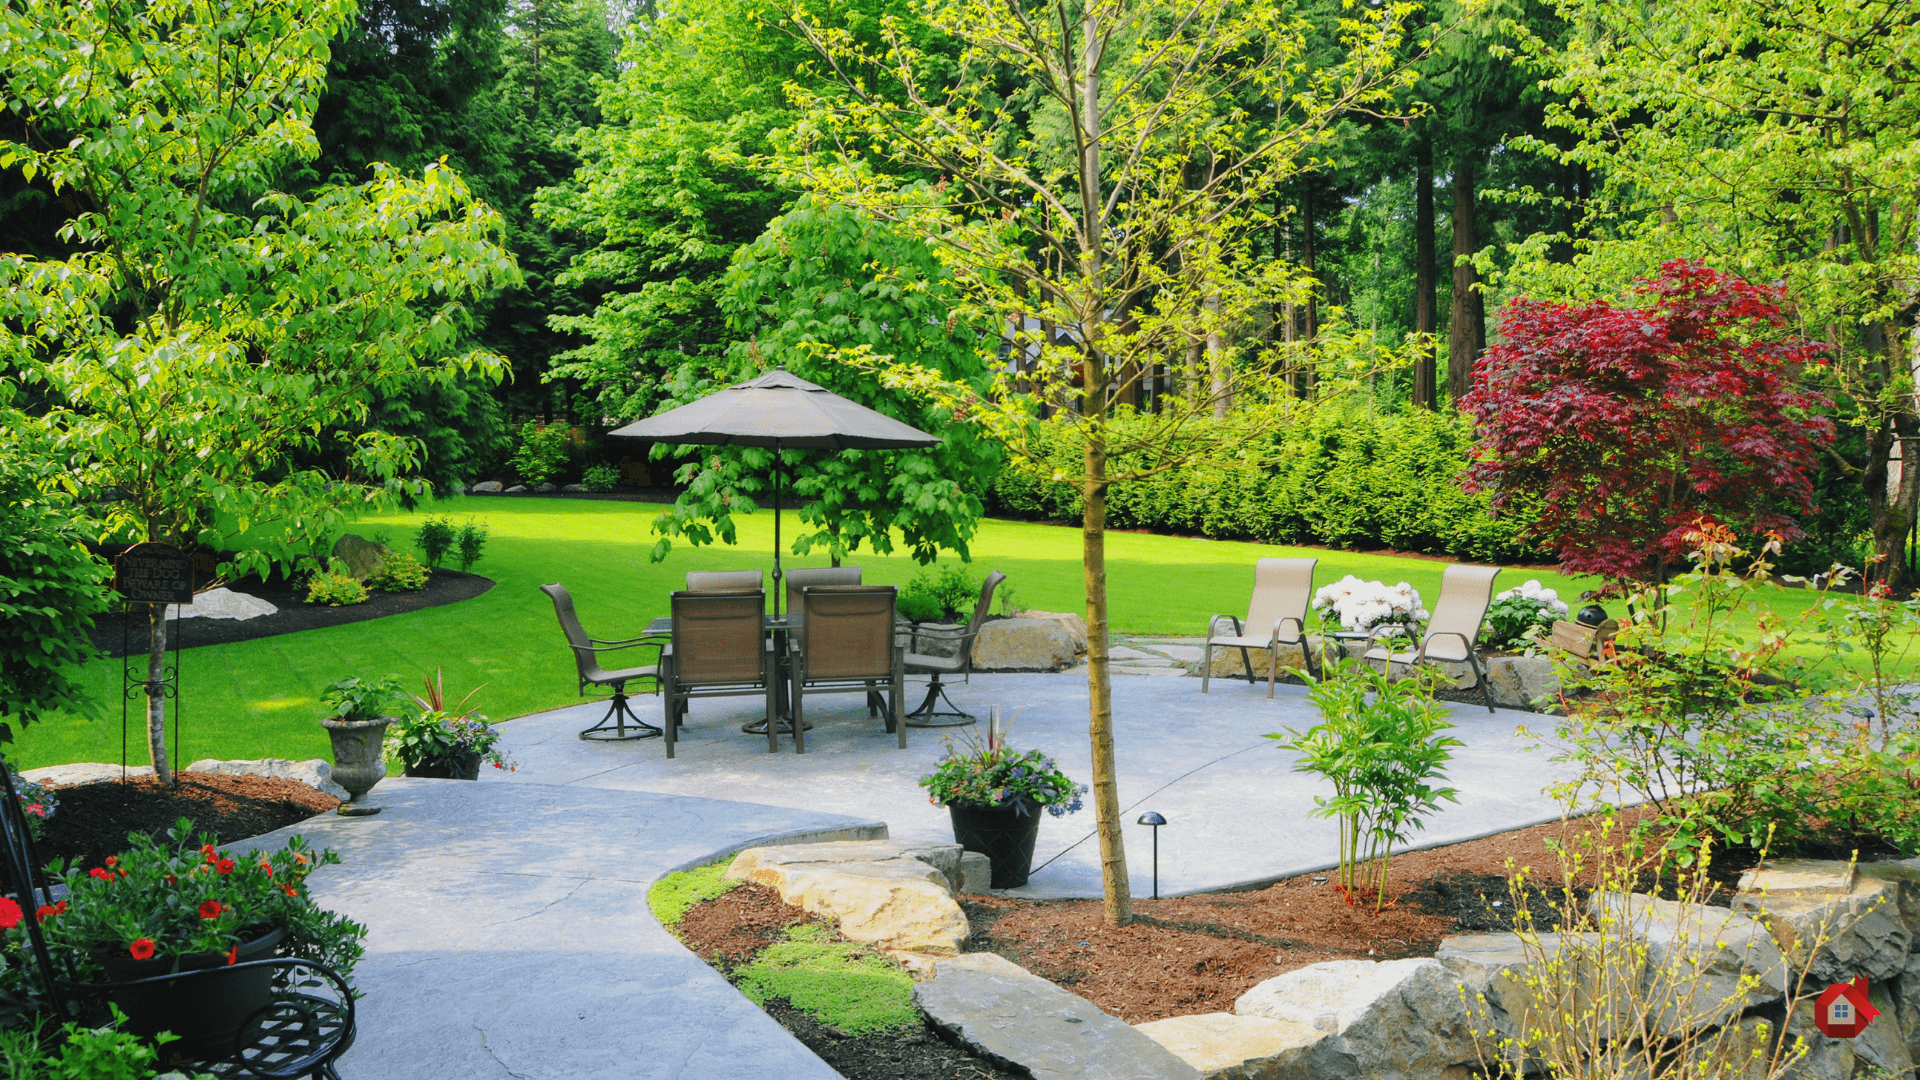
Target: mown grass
[(261, 698)]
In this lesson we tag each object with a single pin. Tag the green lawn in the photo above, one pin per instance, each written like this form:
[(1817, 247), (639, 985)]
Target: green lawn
[(260, 698)]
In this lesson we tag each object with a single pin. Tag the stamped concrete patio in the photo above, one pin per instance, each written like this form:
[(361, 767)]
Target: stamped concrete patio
[(1237, 813)]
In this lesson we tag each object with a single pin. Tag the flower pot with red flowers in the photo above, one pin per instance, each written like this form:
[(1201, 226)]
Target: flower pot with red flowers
[(994, 795), (185, 905), (445, 742)]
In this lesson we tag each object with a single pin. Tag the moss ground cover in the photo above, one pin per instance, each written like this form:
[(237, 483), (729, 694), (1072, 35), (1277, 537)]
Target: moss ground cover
[(673, 895), (260, 698)]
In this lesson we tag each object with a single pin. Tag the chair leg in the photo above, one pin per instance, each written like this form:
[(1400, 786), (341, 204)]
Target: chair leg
[(671, 723), (1247, 662), (895, 693), (1206, 665), (799, 721), (1480, 679), (1273, 667), (1306, 658), (773, 720), (625, 727), (928, 715)]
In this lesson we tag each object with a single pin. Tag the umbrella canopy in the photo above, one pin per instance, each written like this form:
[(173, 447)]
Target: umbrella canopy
[(782, 411)]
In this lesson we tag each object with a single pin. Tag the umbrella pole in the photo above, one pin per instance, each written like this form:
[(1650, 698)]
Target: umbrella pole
[(776, 530)]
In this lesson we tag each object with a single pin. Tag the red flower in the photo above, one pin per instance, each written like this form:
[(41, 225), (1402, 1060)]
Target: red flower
[(113, 860), (207, 850), (10, 913), (223, 866), (211, 909), (48, 911), (103, 875), (266, 868), (288, 889), (141, 949), (233, 955)]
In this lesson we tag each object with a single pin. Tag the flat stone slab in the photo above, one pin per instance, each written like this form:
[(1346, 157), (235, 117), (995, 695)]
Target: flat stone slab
[(893, 894), (222, 603), (1228, 1047), (1007, 1013), (510, 934)]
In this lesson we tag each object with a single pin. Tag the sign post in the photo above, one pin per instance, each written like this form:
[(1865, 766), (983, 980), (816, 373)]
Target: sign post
[(152, 573)]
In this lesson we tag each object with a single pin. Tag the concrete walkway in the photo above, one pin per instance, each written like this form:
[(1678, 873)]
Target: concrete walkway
[(510, 935), (1236, 811)]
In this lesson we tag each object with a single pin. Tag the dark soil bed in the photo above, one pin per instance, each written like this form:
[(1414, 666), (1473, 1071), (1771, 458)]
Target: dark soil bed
[(727, 931), (116, 632), (93, 820)]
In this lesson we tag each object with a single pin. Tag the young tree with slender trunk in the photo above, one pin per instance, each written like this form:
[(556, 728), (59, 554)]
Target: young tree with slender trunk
[(1094, 173), (208, 333)]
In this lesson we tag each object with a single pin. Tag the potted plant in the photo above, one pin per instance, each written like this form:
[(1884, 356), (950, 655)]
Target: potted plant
[(994, 794), (185, 905), (357, 725), (445, 743)]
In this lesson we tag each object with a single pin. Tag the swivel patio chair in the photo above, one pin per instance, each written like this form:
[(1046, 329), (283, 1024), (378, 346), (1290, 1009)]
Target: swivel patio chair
[(1453, 630), (586, 658), (1276, 616), (719, 649), (845, 644), (927, 713)]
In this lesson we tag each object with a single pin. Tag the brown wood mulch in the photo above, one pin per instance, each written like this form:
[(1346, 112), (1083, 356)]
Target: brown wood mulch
[(92, 820)]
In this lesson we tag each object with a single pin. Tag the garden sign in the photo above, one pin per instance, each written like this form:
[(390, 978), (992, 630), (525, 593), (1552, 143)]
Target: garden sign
[(154, 574)]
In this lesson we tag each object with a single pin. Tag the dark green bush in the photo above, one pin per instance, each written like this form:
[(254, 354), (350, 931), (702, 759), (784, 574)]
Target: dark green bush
[(1350, 478)]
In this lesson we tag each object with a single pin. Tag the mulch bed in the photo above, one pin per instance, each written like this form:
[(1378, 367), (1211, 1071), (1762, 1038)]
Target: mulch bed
[(728, 930), (115, 633), (93, 820)]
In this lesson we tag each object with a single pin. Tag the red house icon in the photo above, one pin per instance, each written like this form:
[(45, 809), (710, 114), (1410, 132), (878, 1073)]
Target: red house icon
[(1842, 1012)]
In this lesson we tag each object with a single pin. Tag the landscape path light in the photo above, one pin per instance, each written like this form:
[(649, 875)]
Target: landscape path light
[(1154, 819)]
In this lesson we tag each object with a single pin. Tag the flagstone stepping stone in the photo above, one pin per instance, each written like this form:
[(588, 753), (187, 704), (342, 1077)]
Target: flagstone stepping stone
[(1016, 1018)]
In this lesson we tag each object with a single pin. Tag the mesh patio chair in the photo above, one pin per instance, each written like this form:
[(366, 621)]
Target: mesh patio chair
[(719, 649), (927, 714), (725, 580), (1276, 616), (1451, 633), (845, 644), (586, 659), (823, 575)]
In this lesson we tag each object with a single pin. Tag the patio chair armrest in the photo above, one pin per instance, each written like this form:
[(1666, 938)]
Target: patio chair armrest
[(636, 643), (1465, 641), (1391, 630), (1285, 619), (1234, 619), (627, 641)]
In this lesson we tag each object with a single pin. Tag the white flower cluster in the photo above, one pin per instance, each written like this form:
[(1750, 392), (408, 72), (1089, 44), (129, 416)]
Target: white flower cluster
[(1547, 599), (1362, 605)]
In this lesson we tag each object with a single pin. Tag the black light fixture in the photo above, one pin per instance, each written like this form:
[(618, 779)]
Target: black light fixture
[(1154, 819)]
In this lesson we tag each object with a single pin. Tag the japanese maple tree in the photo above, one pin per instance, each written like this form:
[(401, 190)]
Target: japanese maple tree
[(1625, 425)]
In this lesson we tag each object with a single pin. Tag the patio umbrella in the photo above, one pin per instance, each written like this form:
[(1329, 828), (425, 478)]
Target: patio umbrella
[(784, 412)]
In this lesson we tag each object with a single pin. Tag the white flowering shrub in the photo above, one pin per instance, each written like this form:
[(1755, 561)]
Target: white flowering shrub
[(1517, 611), (1360, 606)]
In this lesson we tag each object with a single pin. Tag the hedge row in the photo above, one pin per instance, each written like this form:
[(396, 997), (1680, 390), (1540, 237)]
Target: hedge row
[(1350, 478)]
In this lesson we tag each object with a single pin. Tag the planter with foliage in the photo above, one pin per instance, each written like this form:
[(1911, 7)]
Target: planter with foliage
[(358, 724), (445, 743), (994, 794)]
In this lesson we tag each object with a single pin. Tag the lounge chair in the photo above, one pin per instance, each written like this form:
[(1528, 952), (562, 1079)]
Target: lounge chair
[(1452, 632), (719, 649), (1276, 616), (960, 663), (844, 644), (586, 659)]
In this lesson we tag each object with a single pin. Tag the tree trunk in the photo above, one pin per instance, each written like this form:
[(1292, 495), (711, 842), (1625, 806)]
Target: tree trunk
[(1892, 484), (1467, 336), (1221, 385), (1106, 789), (1426, 297), (156, 691)]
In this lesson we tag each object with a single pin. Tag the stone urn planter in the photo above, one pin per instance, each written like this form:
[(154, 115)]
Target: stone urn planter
[(357, 762), (1003, 834)]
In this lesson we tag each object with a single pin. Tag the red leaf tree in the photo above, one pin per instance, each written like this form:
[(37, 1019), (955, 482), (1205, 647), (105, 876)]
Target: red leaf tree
[(1624, 426)]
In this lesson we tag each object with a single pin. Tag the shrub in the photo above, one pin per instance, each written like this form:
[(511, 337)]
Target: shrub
[(435, 538), (541, 449), (1349, 477), (334, 587), (472, 539), (600, 478), (1379, 742), (400, 572), (946, 597), (50, 589), (1514, 614)]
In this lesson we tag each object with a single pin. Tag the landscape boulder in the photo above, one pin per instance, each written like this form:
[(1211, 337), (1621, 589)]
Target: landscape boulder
[(1373, 1020), (1075, 625), (546, 487), (222, 603), (486, 487), (1015, 1018), (932, 639), (1713, 945), (576, 488), (1023, 644), (895, 895), (314, 773), (1519, 681), (361, 557), (1834, 919), (80, 773), (1228, 1047)]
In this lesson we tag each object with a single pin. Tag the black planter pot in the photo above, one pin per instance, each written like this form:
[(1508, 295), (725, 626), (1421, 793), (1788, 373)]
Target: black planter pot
[(456, 767), (206, 1011), (1001, 833)]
